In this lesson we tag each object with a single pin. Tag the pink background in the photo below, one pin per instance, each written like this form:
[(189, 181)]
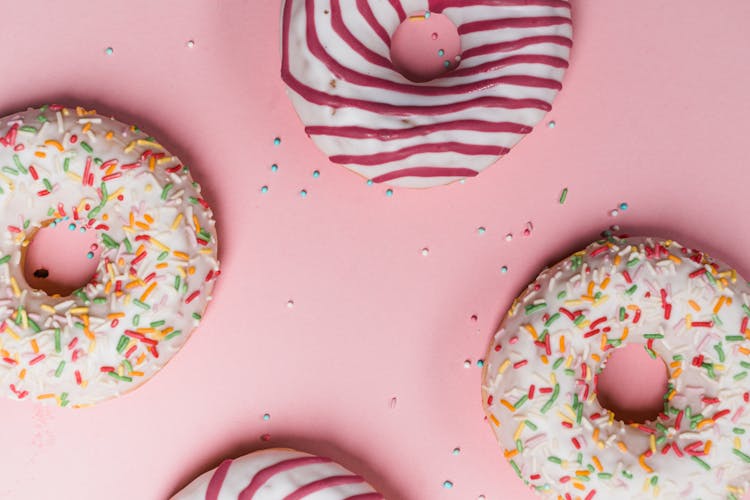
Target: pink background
[(654, 113)]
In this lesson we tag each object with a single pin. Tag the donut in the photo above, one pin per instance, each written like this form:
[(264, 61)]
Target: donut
[(540, 378), (365, 115), (279, 474), (157, 265)]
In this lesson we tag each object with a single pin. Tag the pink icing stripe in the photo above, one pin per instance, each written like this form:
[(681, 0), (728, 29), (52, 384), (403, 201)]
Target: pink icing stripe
[(367, 496), (441, 147), (426, 172), (555, 62), (263, 476), (515, 45), (396, 4), (322, 484), (369, 16), (512, 22), (440, 5), (217, 480), (394, 134), (337, 22)]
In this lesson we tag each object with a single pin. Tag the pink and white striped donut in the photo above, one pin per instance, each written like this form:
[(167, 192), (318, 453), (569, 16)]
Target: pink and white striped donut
[(364, 114), (279, 474)]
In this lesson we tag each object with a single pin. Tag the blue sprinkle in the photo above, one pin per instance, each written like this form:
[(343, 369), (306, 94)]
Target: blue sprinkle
[(389, 192), (447, 484), (90, 255), (480, 363), (369, 182), (264, 189), (316, 173), (504, 269), (266, 416), (623, 206), (274, 168), (277, 141), (72, 227), (441, 52), (303, 193)]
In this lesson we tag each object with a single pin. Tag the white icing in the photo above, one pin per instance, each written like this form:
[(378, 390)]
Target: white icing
[(281, 484), (164, 203), (314, 73), (709, 326)]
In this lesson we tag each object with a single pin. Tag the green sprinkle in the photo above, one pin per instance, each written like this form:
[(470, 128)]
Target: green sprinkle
[(734, 338), (722, 357), (5, 259), (622, 314), (557, 363), (86, 147), (128, 245), (633, 262), (701, 462), (653, 336), (157, 324), (717, 320), (162, 256), (570, 372), (552, 399), (19, 165), (28, 128), (197, 316), (582, 477), (650, 352), (580, 319), (47, 184), (519, 445), (108, 241), (661, 439), (579, 414), (515, 468), (740, 376), (563, 196), (521, 401), (531, 425), (60, 369), (58, 340), (173, 334), (11, 171), (94, 212), (165, 191), (604, 475), (122, 343), (554, 460), (627, 474), (127, 364), (121, 378), (562, 295), (654, 480), (535, 307), (177, 283), (41, 118), (738, 430), (746, 309), (711, 278), (34, 325)]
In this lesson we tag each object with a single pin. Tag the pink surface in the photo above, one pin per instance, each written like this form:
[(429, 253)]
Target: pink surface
[(653, 114)]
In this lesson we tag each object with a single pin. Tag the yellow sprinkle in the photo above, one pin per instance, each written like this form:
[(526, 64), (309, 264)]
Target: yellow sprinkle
[(14, 284), (688, 320), (12, 333), (652, 443), (573, 303), (597, 463), (519, 430), (553, 378), (507, 405), (642, 461), (55, 144), (130, 147), (737, 442), (529, 328), (161, 246), (166, 159), (47, 308), (504, 366), (568, 361), (77, 311), (176, 221), (152, 144), (694, 305)]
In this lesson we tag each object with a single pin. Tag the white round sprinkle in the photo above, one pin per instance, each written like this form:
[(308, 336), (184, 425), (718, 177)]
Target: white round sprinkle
[(190, 44), (425, 251)]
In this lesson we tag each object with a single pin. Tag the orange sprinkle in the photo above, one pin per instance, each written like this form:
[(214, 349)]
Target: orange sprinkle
[(605, 283), (622, 446), (719, 304), (22, 374), (45, 396), (579, 485), (109, 135), (115, 315), (675, 259), (510, 453), (562, 343), (151, 163), (705, 422), (197, 224), (142, 225), (507, 405), (148, 291), (137, 374), (591, 289), (148, 218), (677, 373), (544, 359), (617, 260), (596, 357), (529, 328), (86, 127), (140, 359), (40, 154), (494, 420), (707, 447), (642, 461), (694, 305), (744, 350), (624, 333), (181, 255), (55, 144), (597, 463), (34, 346)]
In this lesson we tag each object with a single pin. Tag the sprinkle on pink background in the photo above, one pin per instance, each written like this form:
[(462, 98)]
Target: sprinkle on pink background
[(654, 113)]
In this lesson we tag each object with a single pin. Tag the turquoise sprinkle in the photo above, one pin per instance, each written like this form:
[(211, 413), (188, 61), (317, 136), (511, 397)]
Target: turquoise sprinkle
[(277, 141), (389, 192), (441, 52), (316, 173), (264, 189), (447, 484), (274, 168)]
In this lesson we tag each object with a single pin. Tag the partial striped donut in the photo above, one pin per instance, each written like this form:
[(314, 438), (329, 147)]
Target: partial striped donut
[(365, 115), (279, 474)]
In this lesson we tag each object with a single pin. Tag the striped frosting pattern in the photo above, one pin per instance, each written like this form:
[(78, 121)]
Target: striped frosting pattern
[(365, 115), (279, 474)]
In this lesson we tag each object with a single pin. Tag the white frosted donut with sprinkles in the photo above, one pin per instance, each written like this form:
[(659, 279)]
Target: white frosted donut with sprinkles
[(540, 376), (364, 114), (279, 474), (157, 266)]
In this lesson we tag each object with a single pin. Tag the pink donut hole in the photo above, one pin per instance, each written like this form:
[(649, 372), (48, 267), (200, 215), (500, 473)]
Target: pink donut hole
[(60, 260), (425, 46), (632, 384)]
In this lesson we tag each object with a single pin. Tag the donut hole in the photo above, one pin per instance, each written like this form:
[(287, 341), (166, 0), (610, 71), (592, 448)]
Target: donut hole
[(425, 46), (632, 384), (60, 258)]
